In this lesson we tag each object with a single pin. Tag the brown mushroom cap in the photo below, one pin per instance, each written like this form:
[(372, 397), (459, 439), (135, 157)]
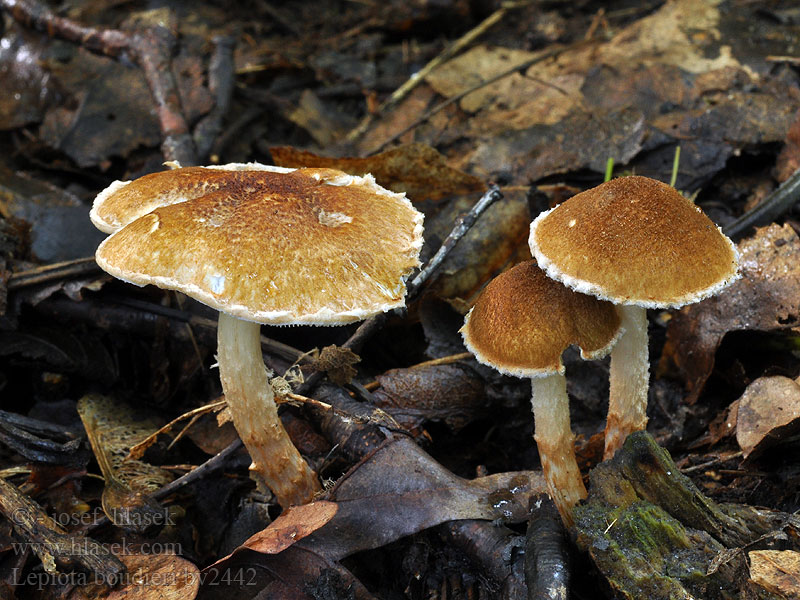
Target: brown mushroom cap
[(125, 201), (523, 321), (634, 240), (310, 246)]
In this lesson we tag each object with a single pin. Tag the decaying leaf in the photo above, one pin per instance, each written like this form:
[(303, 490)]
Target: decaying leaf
[(766, 298), (776, 571), (27, 87), (374, 508), (789, 158), (416, 169), (321, 122), (656, 83), (292, 526), (337, 362), (61, 351), (119, 428), (769, 410), (59, 221), (95, 122), (448, 393), (157, 577)]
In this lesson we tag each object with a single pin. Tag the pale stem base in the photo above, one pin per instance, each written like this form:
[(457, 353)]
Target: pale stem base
[(276, 462), (629, 380), (556, 444)]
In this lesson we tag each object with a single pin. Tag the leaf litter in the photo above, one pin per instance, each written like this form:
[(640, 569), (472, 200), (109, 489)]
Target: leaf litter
[(544, 96)]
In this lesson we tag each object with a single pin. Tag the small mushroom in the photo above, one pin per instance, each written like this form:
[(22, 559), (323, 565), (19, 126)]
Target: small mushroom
[(263, 245), (640, 244), (520, 325)]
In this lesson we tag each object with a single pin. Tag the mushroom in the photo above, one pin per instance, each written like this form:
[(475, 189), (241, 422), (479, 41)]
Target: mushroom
[(640, 244), (520, 325), (263, 245)]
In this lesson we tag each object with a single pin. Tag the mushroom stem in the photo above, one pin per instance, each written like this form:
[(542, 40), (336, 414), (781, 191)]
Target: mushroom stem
[(555, 441), (276, 462), (629, 380)]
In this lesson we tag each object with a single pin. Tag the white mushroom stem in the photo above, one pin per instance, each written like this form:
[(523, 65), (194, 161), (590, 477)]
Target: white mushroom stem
[(629, 380), (276, 462), (555, 441)]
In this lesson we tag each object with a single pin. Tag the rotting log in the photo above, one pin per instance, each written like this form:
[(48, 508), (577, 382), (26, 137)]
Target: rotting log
[(653, 534)]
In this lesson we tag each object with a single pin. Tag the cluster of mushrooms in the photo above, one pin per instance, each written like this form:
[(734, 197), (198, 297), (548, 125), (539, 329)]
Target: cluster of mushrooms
[(265, 244), (601, 259)]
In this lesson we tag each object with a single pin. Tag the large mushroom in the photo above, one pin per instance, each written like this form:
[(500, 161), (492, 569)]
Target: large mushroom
[(640, 244), (263, 245), (521, 324)]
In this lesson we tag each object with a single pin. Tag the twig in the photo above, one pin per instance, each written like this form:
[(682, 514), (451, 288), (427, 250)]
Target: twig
[(415, 79), (495, 549), (212, 464), (138, 450), (50, 542), (221, 74), (773, 206), (53, 272), (547, 564), (463, 224), (151, 49)]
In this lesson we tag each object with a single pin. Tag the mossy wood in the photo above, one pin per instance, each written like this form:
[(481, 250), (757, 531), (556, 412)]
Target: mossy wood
[(653, 534)]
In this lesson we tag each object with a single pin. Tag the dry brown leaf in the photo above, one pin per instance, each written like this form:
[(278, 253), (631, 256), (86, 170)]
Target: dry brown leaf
[(148, 577), (337, 362), (293, 525), (769, 410), (376, 506), (789, 158), (766, 298), (416, 169), (446, 393), (677, 75), (777, 571), (157, 577), (541, 96), (321, 122)]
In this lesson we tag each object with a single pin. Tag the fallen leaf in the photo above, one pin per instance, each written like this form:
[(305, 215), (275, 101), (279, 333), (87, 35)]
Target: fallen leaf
[(157, 577), (292, 526), (766, 298), (375, 507), (119, 427), (449, 393), (27, 87), (95, 121), (788, 160), (322, 122), (59, 222), (416, 169), (679, 75), (337, 362), (769, 410), (776, 571)]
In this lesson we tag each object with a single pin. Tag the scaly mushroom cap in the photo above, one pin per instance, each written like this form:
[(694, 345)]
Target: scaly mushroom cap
[(123, 202), (523, 321), (634, 240), (307, 246)]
